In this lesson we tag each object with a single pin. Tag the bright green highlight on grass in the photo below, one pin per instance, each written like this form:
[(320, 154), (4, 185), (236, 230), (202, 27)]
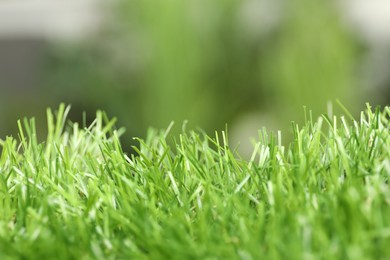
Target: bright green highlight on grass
[(78, 195)]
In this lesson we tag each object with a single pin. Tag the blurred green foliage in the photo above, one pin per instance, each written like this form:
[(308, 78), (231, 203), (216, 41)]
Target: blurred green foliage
[(313, 59), (207, 61)]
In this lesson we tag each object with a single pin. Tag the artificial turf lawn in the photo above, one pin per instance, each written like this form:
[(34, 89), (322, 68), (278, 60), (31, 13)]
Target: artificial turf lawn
[(79, 196)]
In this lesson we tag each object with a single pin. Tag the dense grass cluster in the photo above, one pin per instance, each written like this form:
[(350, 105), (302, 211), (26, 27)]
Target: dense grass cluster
[(79, 196)]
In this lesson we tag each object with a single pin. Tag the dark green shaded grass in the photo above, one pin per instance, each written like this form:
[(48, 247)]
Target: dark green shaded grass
[(79, 196)]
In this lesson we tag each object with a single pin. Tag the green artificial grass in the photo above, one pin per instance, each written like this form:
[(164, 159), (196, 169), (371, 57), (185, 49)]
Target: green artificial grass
[(79, 196)]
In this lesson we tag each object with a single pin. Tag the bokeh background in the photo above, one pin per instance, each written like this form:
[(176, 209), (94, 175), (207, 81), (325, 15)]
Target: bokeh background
[(245, 63)]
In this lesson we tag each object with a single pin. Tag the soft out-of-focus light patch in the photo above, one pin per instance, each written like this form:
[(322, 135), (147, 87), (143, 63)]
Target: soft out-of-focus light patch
[(63, 20), (246, 129), (257, 18), (370, 18), (203, 16)]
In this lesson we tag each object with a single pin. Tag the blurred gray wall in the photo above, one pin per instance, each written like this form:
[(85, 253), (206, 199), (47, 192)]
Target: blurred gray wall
[(27, 30)]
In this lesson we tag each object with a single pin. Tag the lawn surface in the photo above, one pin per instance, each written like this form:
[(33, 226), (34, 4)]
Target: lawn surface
[(79, 196)]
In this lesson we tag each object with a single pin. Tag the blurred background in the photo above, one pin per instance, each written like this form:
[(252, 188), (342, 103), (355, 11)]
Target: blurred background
[(245, 63)]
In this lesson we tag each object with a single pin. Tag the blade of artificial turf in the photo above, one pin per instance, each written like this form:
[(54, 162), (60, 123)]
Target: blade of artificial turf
[(78, 195)]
